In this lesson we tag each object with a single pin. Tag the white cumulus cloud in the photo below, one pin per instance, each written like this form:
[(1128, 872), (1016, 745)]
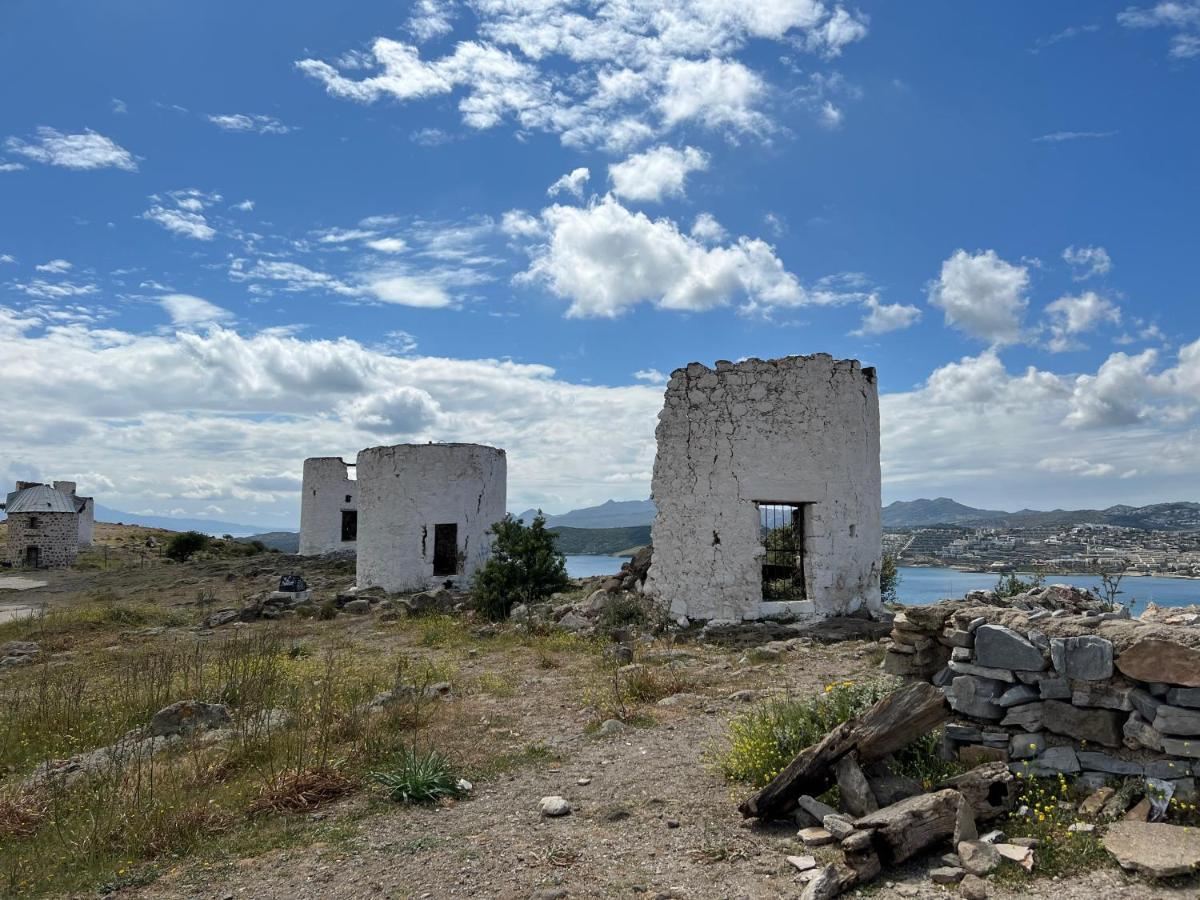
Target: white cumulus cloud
[(982, 295), (656, 173)]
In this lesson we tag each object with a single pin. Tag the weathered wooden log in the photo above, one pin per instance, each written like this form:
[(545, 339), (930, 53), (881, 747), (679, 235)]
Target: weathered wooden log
[(904, 829), (991, 789), (892, 723)]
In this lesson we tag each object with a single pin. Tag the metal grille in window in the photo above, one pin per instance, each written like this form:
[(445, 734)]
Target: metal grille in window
[(781, 526)]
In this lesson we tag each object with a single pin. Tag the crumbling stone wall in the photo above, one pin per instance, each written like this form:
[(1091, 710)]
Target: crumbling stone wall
[(804, 430), (406, 491), (56, 537), (1052, 681), (327, 492)]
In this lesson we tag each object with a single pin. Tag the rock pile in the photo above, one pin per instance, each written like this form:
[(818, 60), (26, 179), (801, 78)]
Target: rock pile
[(1053, 682), (17, 653)]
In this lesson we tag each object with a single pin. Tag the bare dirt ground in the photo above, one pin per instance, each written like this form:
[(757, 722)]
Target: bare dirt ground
[(650, 815)]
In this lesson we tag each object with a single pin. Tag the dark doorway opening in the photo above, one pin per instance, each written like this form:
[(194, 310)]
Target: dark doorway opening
[(781, 528), (445, 549), (33, 557), (349, 525)]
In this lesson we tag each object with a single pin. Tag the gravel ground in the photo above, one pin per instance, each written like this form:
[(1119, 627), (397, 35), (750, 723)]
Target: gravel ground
[(649, 819)]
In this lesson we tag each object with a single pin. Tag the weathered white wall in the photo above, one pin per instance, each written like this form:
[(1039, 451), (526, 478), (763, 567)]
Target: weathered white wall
[(56, 536), (326, 485), (87, 522), (87, 513), (804, 429), (405, 490)]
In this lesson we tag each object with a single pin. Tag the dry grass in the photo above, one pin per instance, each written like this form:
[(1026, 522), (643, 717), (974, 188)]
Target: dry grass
[(303, 791)]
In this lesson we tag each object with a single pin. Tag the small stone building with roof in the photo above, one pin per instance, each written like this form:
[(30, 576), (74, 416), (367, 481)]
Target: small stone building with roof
[(47, 524)]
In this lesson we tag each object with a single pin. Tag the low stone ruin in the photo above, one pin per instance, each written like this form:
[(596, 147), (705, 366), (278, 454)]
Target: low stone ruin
[(1054, 681), (885, 819)]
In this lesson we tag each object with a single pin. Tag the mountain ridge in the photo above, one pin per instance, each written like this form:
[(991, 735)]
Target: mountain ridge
[(1173, 516)]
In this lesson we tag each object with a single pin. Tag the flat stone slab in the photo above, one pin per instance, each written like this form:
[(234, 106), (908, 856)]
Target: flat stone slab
[(1002, 648), (1154, 848), (19, 583)]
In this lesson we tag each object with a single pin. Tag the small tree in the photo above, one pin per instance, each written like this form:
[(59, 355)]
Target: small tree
[(181, 547), (1012, 584), (889, 579), (525, 567)]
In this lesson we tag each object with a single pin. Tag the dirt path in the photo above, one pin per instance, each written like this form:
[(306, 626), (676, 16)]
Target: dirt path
[(650, 819)]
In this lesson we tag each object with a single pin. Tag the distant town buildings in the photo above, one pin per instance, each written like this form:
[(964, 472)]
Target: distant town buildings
[(47, 524), (767, 485), (417, 515), (1061, 548)]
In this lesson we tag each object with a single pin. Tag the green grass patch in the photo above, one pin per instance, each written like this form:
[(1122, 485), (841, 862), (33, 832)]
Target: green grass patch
[(762, 741)]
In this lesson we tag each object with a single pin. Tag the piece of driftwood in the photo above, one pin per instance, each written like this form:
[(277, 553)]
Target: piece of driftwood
[(991, 789), (892, 723), (904, 829)]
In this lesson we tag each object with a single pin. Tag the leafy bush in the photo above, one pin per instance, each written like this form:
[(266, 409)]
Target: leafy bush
[(889, 579), (1012, 584), (185, 544), (419, 777), (763, 741), (525, 567)]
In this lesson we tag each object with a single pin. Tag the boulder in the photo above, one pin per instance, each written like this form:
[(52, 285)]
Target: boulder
[(946, 875), (1018, 694), (554, 806), (978, 858), (975, 697), (1139, 734), (1181, 747), (1055, 761), (357, 607), (1175, 696), (972, 887), (1155, 849), (1025, 745), (1092, 761), (1156, 659), (856, 796), (1084, 658), (1176, 720), (1029, 717), (188, 717), (999, 647), (1099, 726)]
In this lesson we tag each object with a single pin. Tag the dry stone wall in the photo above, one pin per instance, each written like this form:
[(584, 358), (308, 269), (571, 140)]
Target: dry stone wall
[(801, 430), (1053, 681), (56, 537)]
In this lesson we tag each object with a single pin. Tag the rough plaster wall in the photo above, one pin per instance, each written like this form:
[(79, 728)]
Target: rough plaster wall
[(795, 430), (323, 498), (57, 536), (87, 522), (404, 491)]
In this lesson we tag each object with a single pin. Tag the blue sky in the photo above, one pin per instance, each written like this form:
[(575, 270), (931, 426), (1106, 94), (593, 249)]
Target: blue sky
[(236, 235)]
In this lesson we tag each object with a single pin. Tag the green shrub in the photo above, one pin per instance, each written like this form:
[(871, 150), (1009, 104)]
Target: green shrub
[(1012, 584), (185, 544), (525, 566), (889, 579), (419, 777), (764, 740)]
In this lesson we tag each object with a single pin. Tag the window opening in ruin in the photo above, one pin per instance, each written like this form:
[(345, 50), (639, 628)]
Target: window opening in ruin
[(781, 527), (33, 523), (349, 525), (445, 549), (347, 498)]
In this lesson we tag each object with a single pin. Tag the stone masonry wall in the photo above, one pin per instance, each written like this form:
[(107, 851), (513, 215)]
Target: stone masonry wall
[(327, 484), (1052, 681), (406, 490), (804, 429), (56, 537)]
